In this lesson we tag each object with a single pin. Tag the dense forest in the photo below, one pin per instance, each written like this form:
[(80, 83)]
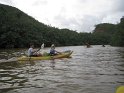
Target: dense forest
[(18, 30)]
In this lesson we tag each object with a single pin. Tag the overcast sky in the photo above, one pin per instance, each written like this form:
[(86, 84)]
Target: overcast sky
[(79, 15)]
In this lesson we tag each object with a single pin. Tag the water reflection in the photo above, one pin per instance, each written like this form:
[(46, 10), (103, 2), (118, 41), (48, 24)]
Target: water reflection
[(52, 64)]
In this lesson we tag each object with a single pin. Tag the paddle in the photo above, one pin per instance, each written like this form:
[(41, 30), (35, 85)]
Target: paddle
[(42, 46)]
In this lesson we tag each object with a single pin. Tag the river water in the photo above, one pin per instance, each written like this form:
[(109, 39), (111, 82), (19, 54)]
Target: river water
[(89, 70)]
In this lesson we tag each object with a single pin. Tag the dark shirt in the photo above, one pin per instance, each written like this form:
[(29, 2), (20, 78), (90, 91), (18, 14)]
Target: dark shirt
[(52, 51)]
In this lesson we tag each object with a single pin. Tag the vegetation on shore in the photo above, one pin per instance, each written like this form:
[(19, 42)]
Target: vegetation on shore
[(18, 30)]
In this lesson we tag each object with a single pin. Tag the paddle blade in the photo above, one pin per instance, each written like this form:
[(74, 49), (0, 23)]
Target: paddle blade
[(42, 46)]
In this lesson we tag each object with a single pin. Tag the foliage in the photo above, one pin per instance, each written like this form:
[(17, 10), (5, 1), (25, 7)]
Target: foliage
[(18, 30), (112, 34), (118, 37)]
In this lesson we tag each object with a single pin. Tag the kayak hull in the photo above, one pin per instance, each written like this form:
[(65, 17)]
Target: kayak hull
[(62, 55)]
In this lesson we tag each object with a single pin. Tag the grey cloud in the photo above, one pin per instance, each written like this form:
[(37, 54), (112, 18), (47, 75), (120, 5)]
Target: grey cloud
[(83, 1), (40, 2), (65, 22), (116, 11), (88, 23), (116, 6), (119, 4), (85, 24)]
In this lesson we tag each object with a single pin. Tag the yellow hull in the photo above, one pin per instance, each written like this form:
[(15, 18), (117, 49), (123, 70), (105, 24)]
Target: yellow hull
[(62, 55)]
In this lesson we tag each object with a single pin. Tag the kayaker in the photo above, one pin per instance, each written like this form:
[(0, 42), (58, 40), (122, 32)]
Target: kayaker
[(33, 52), (103, 45), (88, 45), (53, 51)]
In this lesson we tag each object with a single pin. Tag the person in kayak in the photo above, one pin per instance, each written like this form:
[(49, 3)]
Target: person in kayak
[(103, 45), (33, 52), (53, 51), (88, 45)]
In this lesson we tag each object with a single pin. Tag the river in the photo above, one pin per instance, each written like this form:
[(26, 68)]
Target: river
[(89, 70)]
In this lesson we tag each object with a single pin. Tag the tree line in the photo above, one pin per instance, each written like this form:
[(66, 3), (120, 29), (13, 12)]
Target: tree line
[(18, 30)]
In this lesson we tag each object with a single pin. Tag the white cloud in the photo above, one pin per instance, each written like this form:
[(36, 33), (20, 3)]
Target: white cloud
[(80, 15), (7, 2)]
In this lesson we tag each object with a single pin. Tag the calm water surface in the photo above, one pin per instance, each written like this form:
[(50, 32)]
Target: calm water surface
[(90, 70)]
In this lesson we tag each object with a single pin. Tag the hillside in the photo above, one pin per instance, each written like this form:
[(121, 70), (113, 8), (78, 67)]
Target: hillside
[(112, 33), (18, 29)]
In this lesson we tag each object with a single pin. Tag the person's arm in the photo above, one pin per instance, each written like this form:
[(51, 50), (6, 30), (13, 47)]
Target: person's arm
[(58, 52)]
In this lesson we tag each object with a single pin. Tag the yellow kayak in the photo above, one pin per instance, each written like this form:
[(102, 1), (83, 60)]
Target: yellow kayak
[(65, 54)]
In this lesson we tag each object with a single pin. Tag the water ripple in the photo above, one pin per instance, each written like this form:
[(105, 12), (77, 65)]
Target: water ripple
[(90, 70)]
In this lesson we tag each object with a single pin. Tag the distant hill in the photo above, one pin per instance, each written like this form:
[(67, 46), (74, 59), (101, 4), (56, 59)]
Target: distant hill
[(112, 33), (105, 27), (17, 29)]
